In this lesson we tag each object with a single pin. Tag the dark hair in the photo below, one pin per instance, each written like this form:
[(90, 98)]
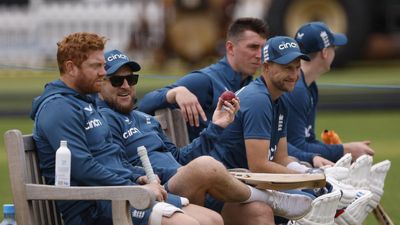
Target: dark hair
[(239, 26), (76, 48)]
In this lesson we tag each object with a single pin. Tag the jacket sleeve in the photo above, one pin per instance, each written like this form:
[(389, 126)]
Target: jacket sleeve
[(331, 152), (59, 121), (199, 84), (301, 155), (305, 139), (198, 147), (155, 100)]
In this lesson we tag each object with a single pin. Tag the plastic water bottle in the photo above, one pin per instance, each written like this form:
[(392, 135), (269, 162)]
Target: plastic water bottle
[(9, 215), (63, 165)]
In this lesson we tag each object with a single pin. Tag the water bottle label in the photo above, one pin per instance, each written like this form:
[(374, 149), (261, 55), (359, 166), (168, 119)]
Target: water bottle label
[(62, 183)]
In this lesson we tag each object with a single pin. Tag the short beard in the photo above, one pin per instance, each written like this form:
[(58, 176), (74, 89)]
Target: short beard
[(125, 109), (119, 108), (281, 86)]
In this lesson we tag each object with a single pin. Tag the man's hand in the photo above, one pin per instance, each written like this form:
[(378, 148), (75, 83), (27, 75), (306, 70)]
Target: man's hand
[(358, 149), (188, 103), (158, 190), (144, 180), (319, 162), (225, 112)]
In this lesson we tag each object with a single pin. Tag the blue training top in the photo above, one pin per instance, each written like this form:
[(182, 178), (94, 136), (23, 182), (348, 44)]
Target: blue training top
[(137, 128), (302, 105), (258, 118), (61, 113), (207, 84)]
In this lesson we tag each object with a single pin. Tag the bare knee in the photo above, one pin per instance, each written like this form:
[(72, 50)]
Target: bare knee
[(250, 213), (212, 218), (207, 166), (178, 218), (260, 212)]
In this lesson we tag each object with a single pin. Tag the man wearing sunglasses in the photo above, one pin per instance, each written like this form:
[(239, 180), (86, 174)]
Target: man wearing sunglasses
[(201, 176), (118, 81)]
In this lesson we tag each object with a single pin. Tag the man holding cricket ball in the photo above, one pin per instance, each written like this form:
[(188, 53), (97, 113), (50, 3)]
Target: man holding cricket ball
[(202, 179)]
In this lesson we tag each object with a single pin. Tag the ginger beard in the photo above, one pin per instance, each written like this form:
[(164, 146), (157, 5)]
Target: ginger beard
[(90, 73)]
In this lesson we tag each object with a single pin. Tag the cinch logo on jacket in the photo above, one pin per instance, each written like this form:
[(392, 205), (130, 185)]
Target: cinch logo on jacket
[(130, 132), (92, 124)]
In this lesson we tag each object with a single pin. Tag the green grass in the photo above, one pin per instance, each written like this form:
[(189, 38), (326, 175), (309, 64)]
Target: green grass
[(381, 128), (23, 124), (364, 74)]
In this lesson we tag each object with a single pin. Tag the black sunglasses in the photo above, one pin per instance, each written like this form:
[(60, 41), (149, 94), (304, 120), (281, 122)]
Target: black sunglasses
[(118, 81)]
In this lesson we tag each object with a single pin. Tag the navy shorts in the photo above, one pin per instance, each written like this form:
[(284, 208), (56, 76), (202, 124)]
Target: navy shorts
[(213, 204), (210, 202), (165, 174), (101, 213), (141, 217)]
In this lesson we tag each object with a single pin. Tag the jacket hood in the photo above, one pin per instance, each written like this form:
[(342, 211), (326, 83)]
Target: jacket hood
[(52, 88)]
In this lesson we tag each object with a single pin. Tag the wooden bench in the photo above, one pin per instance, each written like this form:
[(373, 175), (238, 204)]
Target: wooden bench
[(174, 125), (34, 201)]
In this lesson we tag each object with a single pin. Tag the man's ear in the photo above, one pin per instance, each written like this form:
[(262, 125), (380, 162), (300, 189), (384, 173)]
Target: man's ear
[(229, 47), (324, 53), (70, 68), (265, 66)]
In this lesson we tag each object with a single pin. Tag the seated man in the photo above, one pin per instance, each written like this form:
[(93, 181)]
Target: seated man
[(200, 175), (66, 111), (256, 139), (196, 93), (318, 42)]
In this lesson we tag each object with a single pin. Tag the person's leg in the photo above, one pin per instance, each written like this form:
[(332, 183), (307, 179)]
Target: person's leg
[(203, 215), (193, 215), (206, 175), (248, 213), (178, 218)]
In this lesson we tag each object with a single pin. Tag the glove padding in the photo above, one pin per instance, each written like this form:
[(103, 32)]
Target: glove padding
[(315, 171), (161, 209)]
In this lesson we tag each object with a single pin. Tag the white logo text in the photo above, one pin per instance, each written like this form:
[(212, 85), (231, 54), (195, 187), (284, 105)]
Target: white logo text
[(117, 56), (287, 45), (92, 124), (130, 132)]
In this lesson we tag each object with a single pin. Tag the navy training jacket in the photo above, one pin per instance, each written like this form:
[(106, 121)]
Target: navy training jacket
[(61, 113)]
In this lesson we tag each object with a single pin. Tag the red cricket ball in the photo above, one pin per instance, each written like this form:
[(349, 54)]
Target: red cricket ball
[(228, 96)]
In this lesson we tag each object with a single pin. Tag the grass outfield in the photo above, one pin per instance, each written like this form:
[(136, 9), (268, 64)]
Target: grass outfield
[(382, 129)]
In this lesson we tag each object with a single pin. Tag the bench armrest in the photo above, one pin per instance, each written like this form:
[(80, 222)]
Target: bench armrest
[(137, 196)]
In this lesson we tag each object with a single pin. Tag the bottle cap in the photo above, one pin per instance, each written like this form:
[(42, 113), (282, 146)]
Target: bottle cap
[(8, 208)]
